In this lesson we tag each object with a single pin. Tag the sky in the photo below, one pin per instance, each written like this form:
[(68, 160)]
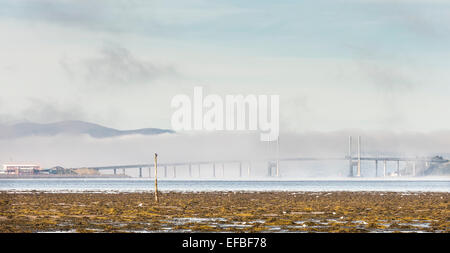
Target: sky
[(370, 65)]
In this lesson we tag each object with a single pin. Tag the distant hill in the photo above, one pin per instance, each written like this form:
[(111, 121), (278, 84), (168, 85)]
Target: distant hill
[(72, 128)]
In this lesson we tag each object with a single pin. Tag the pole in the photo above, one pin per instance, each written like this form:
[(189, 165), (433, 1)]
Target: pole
[(384, 168), (156, 177)]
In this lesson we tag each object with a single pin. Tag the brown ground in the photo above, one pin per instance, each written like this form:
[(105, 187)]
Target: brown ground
[(225, 211)]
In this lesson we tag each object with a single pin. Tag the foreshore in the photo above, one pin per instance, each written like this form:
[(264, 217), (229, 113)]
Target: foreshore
[(226, 212)]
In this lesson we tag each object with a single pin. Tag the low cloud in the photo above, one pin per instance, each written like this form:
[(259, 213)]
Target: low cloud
[(386, 78), (78, 151), (116, 66), (51, 111)]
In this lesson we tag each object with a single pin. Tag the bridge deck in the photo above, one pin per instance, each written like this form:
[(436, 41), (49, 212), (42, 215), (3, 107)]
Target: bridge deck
[(404, 159)]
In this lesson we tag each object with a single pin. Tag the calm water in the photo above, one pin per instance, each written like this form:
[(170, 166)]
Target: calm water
[(132, 185)]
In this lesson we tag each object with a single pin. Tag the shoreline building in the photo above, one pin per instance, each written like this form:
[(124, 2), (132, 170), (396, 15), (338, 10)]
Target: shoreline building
[(20, 169)]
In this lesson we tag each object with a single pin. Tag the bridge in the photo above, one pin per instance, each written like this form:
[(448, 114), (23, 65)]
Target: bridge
[(273, 165), (214, 165)]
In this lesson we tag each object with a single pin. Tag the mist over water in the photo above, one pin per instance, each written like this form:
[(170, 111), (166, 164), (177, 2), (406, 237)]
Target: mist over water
[(79, 151)]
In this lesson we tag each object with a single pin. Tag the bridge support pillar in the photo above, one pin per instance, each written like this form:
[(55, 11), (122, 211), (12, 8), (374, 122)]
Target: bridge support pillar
[(240, 169), (358, 173), (174, 171), (115, 171), (140, 172), (150, 172), (269, 169), (414, 169), (223, 169), (398, 168), (214, 169), (384, 168), (376, 168), (190, 170), (350, 167), (249, 168), (427, 166), (350, 159), (199, 170), (278, 168), (165, 170)]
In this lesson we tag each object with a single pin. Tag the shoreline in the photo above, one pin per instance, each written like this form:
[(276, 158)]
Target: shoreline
[(356, 212), (262, 179), (31, 191), (2, 176)]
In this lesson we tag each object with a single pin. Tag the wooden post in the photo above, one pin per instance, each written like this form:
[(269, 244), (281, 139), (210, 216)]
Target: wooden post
[(156, 177)]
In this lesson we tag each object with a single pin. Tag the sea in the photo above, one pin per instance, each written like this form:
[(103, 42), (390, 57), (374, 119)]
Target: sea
[(108, 185)]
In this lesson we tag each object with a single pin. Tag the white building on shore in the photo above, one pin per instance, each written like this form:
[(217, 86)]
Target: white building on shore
[(20, 169)]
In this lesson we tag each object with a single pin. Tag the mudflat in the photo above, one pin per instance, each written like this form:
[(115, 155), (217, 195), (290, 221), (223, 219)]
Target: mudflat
[(226, 212)]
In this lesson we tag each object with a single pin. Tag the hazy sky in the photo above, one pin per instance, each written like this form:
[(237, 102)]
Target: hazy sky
[(336, 64)]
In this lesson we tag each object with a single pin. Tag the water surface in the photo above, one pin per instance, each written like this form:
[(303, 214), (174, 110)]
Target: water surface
[(136, 185)]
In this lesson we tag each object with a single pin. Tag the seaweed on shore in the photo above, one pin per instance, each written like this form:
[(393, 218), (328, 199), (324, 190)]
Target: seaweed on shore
[(225, 212)]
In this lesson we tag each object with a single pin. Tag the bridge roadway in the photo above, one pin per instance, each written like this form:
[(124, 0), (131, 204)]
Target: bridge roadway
[(133, 166), (374, 158), (272, 163), (405, 159)]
